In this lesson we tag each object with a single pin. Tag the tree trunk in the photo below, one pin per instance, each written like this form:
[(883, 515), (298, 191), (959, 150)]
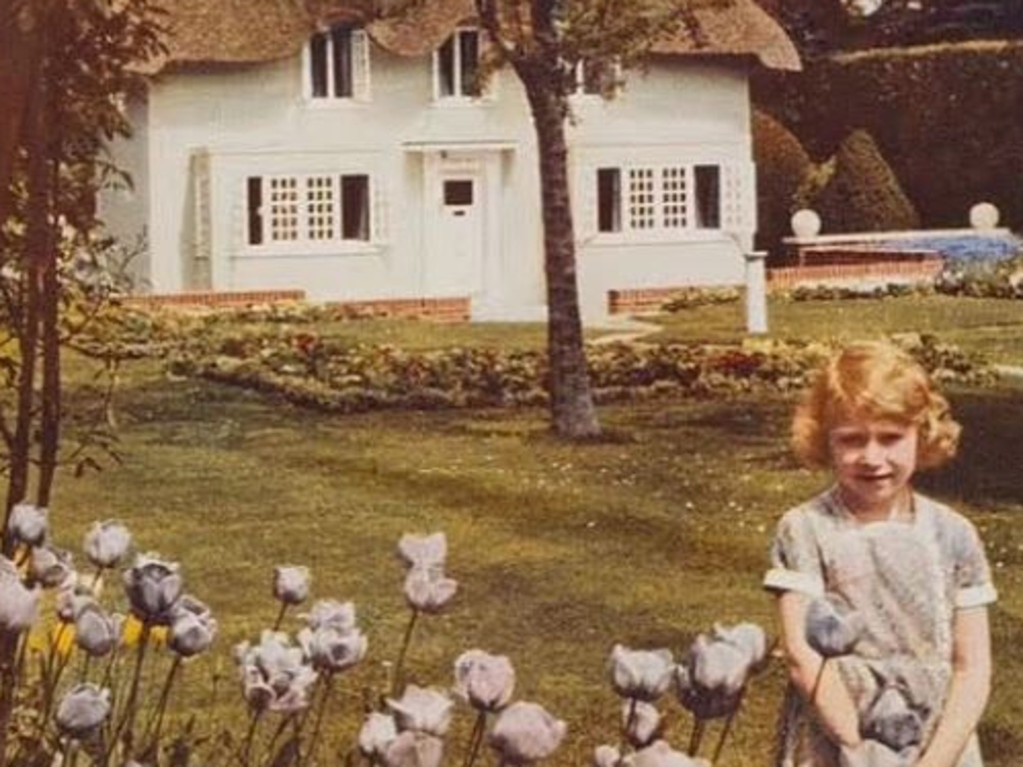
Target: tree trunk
[(19, 64), (572, 412)]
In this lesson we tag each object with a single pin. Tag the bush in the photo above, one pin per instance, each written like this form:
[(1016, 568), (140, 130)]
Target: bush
[(863, 194), (958, 139), (782, 166)]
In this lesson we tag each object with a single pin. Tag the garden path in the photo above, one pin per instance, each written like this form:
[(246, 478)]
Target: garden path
[(623, 329)]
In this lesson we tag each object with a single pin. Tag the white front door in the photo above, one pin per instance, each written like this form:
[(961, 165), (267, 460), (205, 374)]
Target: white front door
[(461, 232)]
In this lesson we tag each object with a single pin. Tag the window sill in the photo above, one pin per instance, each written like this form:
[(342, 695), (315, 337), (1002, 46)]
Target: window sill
[(335, 103), (312, 250), (616, 239), (463, 102)]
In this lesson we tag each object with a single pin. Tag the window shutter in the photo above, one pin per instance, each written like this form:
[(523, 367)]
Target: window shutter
[(738, 198), (587, 211), (202, 245), (378, 219), (360, 65)]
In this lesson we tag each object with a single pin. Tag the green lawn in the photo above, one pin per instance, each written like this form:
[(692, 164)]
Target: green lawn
[(644, 538), (990, 327)]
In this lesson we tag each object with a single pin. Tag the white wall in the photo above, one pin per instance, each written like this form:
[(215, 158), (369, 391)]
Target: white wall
[(253, 120)]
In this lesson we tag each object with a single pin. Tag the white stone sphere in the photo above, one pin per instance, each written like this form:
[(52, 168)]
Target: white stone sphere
[(984, 215), (806, 223)]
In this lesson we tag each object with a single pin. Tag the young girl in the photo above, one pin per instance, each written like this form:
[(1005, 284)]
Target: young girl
[(913, 570)]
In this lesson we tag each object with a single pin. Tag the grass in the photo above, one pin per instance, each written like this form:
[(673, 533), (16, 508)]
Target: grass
[(644, 538), (991, 327)]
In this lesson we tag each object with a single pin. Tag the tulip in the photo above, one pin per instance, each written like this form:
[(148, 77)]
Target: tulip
[(332, 650), (27, 523), (641, 722), (428, 590), (891, 720), (830, 631), (192, 627), (19, 605), (107, 543), (718, 665), (748, 637), (153, 587), (331, 613), (376, 734), (291, 584), (486, 681), (96, 632), (50, 566), (660, 754), (275, 674), (70, 601), (423, 551), (870, 753), (422, 710), (82, 710), (525, 733), (704, 703), (414, 749), (640, 674), (606, 756)]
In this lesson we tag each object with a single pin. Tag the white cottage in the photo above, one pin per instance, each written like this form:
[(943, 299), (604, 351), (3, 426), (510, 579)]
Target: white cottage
[(287, 149)]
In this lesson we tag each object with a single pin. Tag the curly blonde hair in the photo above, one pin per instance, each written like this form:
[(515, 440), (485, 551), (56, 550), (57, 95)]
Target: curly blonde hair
[(873, 379)]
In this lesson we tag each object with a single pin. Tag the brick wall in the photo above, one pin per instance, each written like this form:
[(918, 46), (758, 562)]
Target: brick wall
[(214, 299), (639, 301), (909, 271)]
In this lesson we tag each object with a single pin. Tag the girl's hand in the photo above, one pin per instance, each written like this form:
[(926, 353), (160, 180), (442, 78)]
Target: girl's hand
[(872, 753)]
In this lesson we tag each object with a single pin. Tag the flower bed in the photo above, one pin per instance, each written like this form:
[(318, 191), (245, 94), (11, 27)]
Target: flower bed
[(312, 373)]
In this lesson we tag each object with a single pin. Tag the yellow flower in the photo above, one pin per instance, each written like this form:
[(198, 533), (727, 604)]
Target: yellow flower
[(132, 633)]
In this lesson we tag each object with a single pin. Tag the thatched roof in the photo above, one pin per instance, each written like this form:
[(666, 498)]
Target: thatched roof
[(249, 31)]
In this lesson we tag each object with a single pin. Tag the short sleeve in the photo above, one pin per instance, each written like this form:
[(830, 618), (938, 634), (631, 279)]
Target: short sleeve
[(795, 559), (971, 574)]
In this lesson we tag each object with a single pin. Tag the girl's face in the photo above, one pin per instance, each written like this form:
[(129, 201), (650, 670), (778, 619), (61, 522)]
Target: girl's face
[(873, 460)]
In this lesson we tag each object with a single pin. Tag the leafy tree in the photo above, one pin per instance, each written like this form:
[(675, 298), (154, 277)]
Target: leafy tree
[(65, 65), (544, 42)]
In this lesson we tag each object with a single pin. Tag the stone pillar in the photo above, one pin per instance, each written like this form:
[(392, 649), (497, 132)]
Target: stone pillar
[(756, 292)]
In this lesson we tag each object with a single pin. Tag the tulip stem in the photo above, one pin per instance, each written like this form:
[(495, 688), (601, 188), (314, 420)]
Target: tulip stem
[(817, 682), (475, 739), (696, 737), (399, 667), (280, 616), (633, 704), (328, 687), (127, 723), (289, 719), (156, 721), (255, 716), (727, 728)]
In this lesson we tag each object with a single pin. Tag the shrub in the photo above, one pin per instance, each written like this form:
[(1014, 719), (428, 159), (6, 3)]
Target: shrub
[(863, 194), (955, 142), (782, 166)]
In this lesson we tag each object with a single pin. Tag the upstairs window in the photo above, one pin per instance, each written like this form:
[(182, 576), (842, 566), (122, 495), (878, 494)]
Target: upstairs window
[(456, 66), (597, 78), (308, 209), (338, 64), (658, 199)]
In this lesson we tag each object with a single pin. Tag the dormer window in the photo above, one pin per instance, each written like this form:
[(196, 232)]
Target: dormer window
[(338, 64), (597, 78), (456, 66)]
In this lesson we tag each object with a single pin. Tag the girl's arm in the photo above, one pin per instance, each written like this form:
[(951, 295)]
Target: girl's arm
[(835, 707), (968, 693)]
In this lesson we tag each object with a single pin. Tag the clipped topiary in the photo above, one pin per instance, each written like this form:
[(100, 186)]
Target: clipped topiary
[(863, 194), (782, 166)]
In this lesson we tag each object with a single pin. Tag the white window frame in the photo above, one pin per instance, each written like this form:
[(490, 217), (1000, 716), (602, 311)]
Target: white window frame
[(358, 60), (654, 201), (460, 93), (307, 214), (581, 91)]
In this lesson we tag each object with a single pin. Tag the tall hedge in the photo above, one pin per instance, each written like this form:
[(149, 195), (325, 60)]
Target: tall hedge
[(782, 166), (947, 118), (863, 194)]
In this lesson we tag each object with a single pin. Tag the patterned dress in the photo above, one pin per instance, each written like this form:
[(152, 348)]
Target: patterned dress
[(906, 579)]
